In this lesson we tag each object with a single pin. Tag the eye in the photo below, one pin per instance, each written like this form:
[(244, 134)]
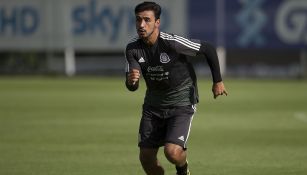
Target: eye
[(147, 19), (138, 19)]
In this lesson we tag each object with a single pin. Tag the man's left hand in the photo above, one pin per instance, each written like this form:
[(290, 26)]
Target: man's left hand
[(218, 89)]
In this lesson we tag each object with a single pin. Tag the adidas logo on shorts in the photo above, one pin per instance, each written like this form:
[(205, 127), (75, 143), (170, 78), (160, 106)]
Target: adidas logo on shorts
[(181, 138)]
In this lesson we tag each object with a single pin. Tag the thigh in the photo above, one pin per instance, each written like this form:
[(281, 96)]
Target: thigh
[(179, 125), (152, 128)]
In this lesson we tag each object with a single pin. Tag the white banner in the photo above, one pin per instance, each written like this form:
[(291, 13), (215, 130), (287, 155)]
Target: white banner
[(100, 25)]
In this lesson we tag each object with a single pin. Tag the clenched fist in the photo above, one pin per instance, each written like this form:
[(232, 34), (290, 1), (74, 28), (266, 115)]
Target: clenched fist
[(133, 76)]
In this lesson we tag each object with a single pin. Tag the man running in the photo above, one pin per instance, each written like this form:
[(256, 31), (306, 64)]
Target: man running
[(171, 94)]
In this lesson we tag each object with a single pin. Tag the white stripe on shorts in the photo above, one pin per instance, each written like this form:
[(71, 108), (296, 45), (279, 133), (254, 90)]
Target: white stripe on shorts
[(185, 142)]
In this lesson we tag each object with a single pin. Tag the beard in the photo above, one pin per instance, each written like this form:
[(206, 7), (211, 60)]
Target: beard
[(144, 34)]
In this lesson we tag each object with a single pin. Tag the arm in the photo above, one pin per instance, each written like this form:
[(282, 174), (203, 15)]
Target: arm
[(132, 71), (209, 51), (132, 79), (194, 47)]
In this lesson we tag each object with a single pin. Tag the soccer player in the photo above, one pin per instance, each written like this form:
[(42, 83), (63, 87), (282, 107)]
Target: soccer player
[(171, 94)]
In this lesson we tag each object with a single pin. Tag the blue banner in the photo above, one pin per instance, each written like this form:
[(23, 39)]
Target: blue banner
[(251, 23)]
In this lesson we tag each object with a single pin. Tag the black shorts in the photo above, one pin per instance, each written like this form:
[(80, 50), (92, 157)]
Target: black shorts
[(170, 125)]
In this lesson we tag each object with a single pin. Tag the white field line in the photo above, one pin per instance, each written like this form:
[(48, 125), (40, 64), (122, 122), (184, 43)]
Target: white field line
[(301, 116)]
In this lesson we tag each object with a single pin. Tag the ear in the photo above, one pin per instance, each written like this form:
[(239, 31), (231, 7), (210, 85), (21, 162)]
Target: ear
[(157, 23)]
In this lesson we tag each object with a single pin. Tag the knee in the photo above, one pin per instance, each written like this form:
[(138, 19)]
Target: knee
[(174, 153)]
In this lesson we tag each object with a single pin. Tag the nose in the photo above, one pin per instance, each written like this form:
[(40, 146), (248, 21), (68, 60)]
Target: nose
[(142, 24)]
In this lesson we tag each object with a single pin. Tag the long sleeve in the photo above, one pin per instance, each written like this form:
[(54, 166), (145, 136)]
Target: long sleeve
[(131, 63), (209, 52), (195, 47)]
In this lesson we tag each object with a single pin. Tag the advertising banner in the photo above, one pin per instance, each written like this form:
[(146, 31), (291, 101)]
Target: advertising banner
[(278, 24), (266, 24), (100, 25)]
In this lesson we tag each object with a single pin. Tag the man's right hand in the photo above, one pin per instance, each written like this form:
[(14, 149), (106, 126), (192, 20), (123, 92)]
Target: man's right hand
[(133, 76)]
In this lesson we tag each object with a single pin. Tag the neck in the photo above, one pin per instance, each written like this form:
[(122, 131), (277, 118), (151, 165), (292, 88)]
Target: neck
[(152, 38)]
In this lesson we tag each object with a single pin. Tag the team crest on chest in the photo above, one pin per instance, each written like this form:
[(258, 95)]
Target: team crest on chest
[(164, 58)]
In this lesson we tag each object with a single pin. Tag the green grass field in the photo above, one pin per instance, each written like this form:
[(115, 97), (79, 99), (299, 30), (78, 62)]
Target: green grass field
[(88, 126)]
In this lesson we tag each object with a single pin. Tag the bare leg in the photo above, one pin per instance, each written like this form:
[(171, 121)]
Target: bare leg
[(175, 154), (149, 161)]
